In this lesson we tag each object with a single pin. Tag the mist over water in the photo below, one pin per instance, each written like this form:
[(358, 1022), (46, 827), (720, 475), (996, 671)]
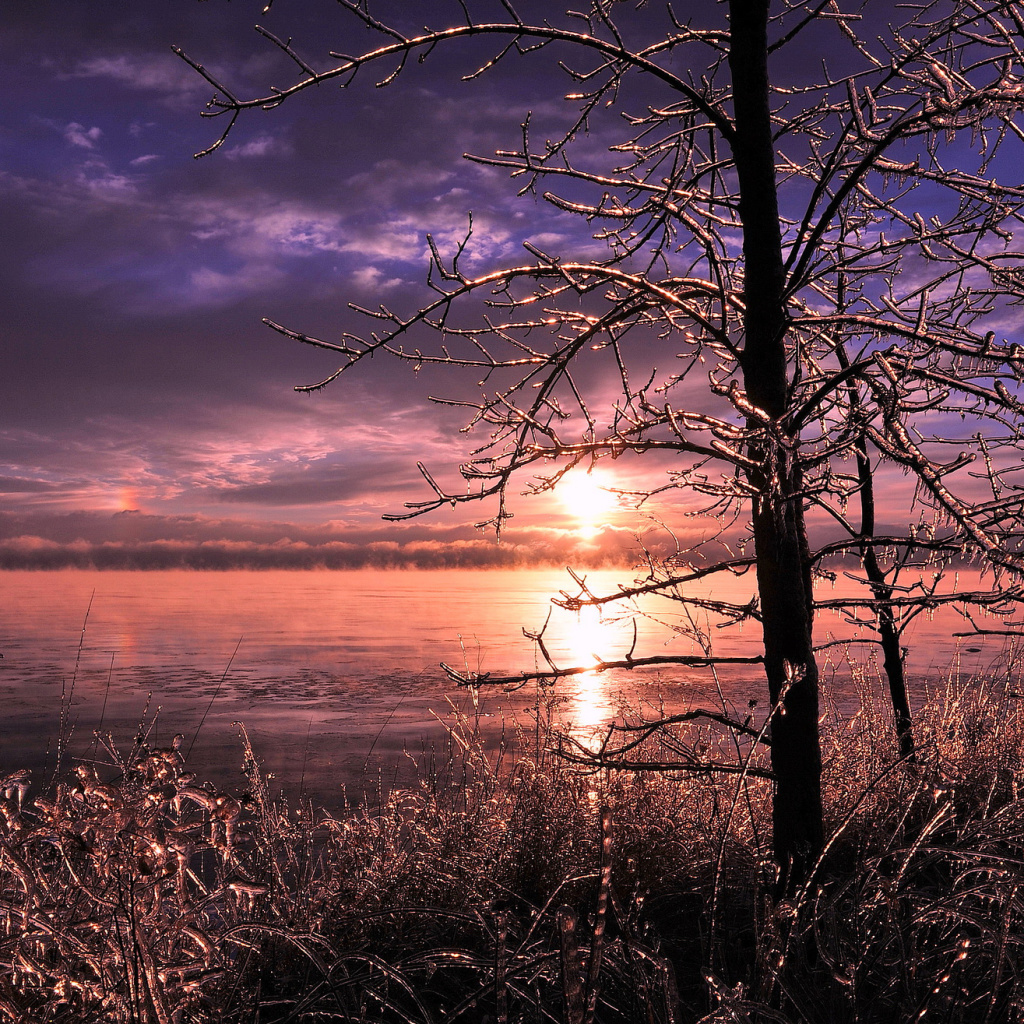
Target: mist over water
[(336, 674)]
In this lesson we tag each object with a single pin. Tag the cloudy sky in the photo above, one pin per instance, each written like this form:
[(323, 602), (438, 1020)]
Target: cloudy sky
[(148, 416), (146, 408)]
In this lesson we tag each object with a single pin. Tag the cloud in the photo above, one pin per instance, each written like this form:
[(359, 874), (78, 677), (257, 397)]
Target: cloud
[(259, 147), (22, 485), (132, 540), (79, 135), (316, 485), (352, 452), (384, 236), (158, 233), (256, 224), (207, 286), (161, 73), (97, 177), (373, 279)]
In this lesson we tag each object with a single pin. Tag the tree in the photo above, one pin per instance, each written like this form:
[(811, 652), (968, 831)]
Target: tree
[(828, 252)]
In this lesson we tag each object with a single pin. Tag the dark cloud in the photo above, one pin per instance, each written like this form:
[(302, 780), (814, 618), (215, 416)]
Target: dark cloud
[(313, 485)]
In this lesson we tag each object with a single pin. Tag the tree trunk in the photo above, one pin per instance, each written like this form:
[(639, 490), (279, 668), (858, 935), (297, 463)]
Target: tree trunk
[(888, 632), (780, 535)]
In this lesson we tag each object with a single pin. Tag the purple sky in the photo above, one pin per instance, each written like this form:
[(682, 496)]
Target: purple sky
[(148, 415), (144, 402)]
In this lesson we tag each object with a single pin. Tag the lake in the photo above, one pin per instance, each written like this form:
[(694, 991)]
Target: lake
[(335, 674)]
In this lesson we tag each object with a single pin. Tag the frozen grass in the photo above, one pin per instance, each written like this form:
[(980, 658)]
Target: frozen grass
[(497, 889)]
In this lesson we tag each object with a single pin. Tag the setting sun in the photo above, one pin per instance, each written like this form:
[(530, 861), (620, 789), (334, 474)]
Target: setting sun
[(587, 495)]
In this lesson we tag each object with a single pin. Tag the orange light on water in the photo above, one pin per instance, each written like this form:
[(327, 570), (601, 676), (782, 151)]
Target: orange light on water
[(589, 640)]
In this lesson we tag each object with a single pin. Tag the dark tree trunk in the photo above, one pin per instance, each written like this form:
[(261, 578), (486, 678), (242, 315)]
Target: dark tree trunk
[(780, 536)]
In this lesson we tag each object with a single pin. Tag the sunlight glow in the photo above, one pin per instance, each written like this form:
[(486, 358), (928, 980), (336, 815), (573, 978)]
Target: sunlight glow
[(588, 497)]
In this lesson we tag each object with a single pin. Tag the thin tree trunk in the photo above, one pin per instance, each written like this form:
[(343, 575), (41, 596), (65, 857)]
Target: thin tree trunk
[(780, 535), (888, 632)]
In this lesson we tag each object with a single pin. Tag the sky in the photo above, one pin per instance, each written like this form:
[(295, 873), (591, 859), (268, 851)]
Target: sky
[(149, 418)]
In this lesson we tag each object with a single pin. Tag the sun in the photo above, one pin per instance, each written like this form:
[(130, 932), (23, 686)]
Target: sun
[(588, 496)]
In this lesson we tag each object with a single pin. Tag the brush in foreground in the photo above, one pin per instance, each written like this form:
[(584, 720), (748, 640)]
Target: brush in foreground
[(524, 888)]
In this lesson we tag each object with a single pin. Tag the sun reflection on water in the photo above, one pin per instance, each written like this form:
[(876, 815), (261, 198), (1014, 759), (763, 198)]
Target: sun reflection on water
[(590, 639)]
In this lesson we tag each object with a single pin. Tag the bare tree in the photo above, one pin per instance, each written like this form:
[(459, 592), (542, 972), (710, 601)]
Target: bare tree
[(826, 251)]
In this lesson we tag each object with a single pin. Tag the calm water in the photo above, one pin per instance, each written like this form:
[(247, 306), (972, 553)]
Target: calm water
[(336, 674)]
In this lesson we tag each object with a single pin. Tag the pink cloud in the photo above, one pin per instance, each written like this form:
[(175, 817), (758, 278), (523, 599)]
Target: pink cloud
[(79, 135)]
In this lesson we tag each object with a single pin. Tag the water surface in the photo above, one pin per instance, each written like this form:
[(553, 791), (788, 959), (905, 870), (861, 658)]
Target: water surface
[(335, 674)]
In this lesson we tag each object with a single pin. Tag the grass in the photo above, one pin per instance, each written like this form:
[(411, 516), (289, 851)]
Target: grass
[(517, 887)]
